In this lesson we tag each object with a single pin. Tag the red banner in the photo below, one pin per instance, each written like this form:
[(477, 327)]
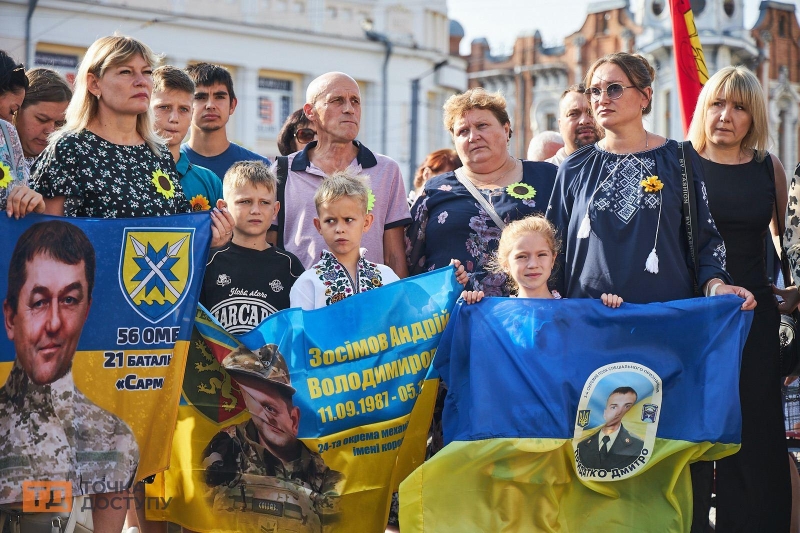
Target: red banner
[(690, 63)]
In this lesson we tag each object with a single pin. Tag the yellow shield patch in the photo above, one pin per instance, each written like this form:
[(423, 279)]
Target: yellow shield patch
[(155, 269)]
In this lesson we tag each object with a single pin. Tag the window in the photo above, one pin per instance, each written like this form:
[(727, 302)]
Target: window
[(658, 7), (729, 7), (698, 6), (602, 23), (551, 121)]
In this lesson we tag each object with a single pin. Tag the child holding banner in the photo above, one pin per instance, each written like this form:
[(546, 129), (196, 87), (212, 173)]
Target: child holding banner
[(526, 254)]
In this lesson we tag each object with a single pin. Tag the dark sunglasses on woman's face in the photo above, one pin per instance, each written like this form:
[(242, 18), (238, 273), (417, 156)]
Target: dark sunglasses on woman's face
[(305, 135), (614, 91)]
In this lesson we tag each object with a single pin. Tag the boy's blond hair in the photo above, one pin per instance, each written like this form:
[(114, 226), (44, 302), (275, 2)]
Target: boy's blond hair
[(341, 184), (254, 173)]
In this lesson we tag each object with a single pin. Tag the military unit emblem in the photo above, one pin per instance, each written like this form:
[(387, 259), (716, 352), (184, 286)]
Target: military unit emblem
[(155, 270), (649, 411)]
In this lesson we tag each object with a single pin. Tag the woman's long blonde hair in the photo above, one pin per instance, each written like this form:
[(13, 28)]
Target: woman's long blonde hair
[(105, 53), (735, 84)]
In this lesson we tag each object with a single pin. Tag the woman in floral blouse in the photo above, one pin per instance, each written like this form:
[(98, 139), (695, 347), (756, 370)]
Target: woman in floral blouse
[(107, 161), (15, 196), (449, 221)]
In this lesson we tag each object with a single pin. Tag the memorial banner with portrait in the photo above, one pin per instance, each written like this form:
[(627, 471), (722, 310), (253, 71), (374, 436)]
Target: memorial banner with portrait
[(97, 316), (310, 421), (588, 415)]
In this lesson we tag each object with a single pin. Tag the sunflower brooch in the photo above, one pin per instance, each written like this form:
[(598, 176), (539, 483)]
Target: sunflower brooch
[(5, 176), (163, 183), (652, 184), (199, 203), (521, 191)]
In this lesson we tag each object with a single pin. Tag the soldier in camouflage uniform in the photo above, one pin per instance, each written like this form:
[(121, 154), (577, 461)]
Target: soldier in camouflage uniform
[(52, 432), (260, 466)]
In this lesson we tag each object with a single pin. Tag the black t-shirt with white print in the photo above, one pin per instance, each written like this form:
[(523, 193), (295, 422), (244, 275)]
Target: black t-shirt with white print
[(243, 286)]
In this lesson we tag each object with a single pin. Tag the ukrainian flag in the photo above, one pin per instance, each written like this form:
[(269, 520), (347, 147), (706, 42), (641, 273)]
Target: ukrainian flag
[(567, 416)]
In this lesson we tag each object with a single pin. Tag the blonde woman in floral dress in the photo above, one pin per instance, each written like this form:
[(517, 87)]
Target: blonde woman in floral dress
[(108, 162)]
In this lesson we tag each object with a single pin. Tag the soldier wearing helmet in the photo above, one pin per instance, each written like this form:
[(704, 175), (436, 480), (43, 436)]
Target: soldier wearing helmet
[(260, 465)]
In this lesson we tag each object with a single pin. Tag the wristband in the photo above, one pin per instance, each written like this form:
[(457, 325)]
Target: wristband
[(713, 290)]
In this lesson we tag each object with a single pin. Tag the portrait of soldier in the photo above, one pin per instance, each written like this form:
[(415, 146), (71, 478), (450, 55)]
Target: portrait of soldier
[(613, 446), (260, 465), (51, 431)]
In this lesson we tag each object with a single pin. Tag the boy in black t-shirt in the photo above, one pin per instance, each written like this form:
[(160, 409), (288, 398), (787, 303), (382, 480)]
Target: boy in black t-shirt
[(249, 279)]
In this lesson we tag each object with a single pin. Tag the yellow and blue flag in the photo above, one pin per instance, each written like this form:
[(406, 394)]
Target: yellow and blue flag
[(568, 416), (120, 297), (364, 390)]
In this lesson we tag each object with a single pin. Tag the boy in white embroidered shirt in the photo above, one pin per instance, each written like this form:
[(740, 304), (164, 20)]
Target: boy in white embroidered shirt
[(343, 217)]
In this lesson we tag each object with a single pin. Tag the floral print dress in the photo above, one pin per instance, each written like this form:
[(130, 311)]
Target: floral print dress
[(448, 223), (13, 168), (104, 180)]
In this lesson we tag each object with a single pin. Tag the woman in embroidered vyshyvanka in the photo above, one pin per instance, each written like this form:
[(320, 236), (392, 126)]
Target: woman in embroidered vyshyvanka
[(449, 221), (618, 205), (730, 132)]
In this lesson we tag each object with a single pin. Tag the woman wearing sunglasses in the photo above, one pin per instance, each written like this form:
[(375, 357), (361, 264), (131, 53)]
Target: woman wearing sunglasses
[(618, 205), (296, 133), (744, 182)]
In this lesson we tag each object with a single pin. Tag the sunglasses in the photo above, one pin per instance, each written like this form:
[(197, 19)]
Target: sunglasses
[(305, 135), (614, 91)]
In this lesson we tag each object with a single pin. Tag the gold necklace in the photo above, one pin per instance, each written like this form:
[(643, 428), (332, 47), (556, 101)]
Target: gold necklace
[(485, 184)]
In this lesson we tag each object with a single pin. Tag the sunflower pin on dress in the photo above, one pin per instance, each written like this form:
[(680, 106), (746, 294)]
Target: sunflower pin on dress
[(521, 191), (653, 185), (5, 176), (163, 183)]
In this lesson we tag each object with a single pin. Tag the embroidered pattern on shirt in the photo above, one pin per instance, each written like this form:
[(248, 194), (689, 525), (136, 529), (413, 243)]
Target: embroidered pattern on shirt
[(337, 282), (625, 190)]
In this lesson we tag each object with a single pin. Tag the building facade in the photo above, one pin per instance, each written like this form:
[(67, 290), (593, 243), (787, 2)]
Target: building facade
[(533, 76), (273, 49)]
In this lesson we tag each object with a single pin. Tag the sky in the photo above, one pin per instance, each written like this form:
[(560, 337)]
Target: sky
[(500, 21)]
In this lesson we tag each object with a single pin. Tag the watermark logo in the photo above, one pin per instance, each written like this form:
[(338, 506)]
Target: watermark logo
[(46, 496)]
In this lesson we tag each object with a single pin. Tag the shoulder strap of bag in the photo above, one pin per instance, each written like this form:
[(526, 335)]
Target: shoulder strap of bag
[(282, 163), (786, 270), (480, 198), (690, 208)]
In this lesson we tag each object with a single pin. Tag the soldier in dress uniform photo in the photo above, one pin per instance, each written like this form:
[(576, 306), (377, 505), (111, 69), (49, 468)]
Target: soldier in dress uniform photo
[(613, 446), (53, 432), (260, 465)]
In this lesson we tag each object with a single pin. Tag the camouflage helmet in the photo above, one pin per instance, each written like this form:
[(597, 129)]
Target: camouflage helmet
[(267, 365)]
